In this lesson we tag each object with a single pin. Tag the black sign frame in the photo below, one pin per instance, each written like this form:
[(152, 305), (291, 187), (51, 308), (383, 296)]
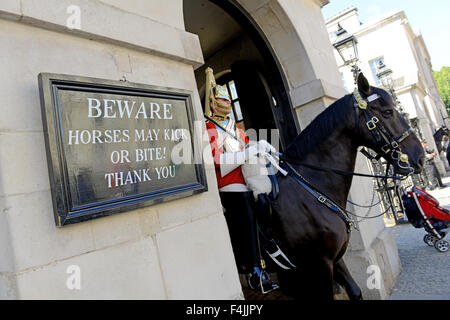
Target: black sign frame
[(49, 84)]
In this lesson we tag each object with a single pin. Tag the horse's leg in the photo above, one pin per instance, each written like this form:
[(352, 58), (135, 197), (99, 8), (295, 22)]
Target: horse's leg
[(312, 281), (343, 277)]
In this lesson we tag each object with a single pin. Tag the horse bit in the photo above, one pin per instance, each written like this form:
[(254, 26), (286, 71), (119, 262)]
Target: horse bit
[(380, 133)]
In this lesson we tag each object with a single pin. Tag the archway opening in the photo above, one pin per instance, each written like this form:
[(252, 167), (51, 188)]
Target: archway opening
[(242, 58)]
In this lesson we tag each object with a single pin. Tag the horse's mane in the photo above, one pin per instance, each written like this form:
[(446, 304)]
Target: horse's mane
[(333, 117)]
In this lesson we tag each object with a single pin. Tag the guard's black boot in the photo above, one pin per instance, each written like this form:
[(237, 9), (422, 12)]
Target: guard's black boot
[(267, 237), (263, 214), (259, 280)]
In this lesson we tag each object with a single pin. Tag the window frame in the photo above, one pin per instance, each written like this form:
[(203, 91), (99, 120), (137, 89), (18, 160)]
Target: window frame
[(373, 64)]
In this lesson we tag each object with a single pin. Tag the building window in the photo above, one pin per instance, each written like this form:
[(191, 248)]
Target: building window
[(374, 67), (237, 113)]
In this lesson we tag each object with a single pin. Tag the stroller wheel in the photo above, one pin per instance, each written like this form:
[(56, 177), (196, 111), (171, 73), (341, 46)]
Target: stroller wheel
[(429, 240), (441, 245)]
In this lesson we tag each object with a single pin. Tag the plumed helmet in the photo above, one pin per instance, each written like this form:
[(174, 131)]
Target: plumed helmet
[(221, 92), (214, 91)]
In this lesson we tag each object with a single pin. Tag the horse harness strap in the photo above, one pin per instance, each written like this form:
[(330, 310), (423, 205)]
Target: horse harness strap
[(369, 156), (320, 197), (377, 129), (340, 172)]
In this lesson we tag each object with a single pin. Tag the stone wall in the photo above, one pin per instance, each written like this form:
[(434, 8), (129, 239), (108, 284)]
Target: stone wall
[(177, 250)]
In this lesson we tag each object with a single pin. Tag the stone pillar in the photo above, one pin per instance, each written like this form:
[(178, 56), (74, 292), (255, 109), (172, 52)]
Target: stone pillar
[(425, 127), (373, 246)]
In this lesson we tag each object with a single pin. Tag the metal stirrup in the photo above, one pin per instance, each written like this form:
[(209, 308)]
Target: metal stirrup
[(281, 253)]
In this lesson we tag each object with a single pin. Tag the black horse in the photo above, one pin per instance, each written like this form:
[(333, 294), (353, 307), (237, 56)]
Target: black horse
[(439, 135), (314, 237)]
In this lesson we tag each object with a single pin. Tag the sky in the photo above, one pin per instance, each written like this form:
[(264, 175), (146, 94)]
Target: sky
[(431, 18)]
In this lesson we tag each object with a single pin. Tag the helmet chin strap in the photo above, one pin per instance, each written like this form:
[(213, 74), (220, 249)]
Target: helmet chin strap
[(220, 105), (222, 108)]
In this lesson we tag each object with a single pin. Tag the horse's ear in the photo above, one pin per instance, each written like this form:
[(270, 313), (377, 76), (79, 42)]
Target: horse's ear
[(363, 85)]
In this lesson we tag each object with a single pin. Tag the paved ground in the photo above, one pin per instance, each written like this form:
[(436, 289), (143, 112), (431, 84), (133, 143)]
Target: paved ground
[(425, 271)]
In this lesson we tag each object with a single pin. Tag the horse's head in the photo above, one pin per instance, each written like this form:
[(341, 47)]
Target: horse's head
[(383, 129), (445, 131)]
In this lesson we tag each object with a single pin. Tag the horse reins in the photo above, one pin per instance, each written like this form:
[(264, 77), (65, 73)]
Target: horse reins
[(340, 172), (320, 196), (328, 201)]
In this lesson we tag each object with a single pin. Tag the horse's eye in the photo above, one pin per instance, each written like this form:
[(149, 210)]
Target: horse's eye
[(387, 113)]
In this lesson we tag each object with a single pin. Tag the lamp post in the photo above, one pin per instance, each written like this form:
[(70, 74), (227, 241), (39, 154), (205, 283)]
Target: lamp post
[(346, 45), (385, 76)]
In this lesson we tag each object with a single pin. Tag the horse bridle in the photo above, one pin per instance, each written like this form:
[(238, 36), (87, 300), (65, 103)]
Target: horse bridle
[(380, 134)]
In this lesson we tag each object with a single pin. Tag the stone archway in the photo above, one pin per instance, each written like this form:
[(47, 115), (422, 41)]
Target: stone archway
[(303, 52), (294, 36), (228, 35)]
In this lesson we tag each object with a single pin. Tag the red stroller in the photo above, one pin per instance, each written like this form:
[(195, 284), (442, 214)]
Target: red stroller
[(423, 211)]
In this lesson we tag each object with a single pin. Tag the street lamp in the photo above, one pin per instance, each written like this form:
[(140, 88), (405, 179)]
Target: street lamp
[(385, 76), (346, 45)]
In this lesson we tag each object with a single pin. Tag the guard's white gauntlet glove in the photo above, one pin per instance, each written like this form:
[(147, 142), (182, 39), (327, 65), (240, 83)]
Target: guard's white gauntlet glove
[(231, 160), (267, 147)]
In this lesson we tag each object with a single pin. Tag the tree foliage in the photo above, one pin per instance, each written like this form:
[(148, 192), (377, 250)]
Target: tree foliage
[(442, 78)]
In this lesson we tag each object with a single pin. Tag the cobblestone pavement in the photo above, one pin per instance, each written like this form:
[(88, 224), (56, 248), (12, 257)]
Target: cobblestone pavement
[(425, 271)]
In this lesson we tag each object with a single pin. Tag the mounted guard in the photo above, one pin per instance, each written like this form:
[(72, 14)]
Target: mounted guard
[(243, 183), (310, 217)]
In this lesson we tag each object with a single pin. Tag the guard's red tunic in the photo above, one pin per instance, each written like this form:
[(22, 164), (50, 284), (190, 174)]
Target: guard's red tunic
[(234, 176)]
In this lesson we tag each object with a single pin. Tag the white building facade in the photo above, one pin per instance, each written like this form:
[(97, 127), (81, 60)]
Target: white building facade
[(391, 38)]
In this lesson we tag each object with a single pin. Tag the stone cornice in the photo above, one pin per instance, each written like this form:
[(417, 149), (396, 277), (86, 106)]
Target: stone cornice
[(314, 90), (105, 23), (321, 3), (368, 27), (340, 14)]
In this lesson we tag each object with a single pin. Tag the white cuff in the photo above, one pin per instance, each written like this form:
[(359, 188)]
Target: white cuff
[(234, 187)]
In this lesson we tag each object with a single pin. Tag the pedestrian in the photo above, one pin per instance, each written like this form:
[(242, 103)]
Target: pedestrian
[(432, 174), (446, 148)]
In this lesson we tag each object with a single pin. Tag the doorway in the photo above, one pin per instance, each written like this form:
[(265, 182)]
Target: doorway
[(242, 58)]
